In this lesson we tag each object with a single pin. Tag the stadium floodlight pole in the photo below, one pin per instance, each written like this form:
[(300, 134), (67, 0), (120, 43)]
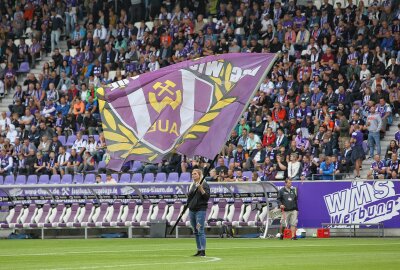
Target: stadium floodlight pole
[(188, 201)]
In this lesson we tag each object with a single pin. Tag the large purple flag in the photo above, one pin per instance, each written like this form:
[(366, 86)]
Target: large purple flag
[(190, 107)]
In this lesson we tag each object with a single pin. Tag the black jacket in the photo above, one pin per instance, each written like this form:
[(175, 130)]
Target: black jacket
[(288, 199), (198, 201)]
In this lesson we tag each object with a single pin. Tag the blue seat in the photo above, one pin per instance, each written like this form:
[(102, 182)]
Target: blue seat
[(78, 179), (148, 178), (66, 179), (173, 177), (20, 180), (90, 178), (55, 179), (185, 177), (161, 177), (32, 179), (9, 180), (44, 179), (137, 178), (125, 178)]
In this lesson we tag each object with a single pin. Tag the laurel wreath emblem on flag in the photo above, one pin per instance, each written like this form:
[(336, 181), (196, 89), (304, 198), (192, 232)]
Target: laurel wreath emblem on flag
[(122, 142)]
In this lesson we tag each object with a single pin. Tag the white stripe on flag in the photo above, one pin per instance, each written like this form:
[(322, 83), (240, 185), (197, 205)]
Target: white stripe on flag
[(137, 102), (187, 108)]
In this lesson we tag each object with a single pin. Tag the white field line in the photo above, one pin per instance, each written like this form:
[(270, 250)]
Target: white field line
[(196, 261), (61, 253)]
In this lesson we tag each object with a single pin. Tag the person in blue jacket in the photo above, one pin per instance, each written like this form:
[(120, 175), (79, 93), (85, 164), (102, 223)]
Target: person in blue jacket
[(326, 169)]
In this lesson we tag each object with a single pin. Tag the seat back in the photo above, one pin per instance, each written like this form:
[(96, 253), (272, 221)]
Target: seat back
[(161, 177), (66, 179), (173, 177), (148, 178), (185, 177), (125, 178), (20, 180), (71, 213), (9, 180), (42, 213), (144, 211), (55, 179), (44, 179), (160, 211), (235, 211), (115, 212), (100, 212), (14, 214), (137, 178), (32, 180)]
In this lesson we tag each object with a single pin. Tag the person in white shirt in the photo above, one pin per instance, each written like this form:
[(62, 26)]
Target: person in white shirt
[(12, 133), (62, 160), (252, 141), (80, 144), (364, 72), (100, 32), (267, 86), (294, 167), (153, 65), (1, 88), (6, 162), (110, 180)]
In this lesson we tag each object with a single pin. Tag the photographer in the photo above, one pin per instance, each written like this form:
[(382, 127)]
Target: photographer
[(287, 199)]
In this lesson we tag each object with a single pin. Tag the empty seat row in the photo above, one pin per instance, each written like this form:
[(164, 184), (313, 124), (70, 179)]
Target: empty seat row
[(91, 178), (237, 214)]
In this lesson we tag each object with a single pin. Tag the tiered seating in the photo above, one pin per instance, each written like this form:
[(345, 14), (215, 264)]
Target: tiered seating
[(90, 178), (131, 215)]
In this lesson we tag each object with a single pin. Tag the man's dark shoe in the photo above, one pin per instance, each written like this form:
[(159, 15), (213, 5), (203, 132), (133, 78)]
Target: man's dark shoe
[(294, 238), (197, 254), (202, 253), (281, 236)]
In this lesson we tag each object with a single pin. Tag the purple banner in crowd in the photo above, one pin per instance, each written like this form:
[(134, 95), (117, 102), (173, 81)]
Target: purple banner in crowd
[(348, 202), (190, 107)]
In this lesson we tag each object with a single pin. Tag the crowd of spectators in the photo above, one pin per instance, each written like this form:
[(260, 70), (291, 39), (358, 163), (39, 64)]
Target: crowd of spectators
[(323, 108)]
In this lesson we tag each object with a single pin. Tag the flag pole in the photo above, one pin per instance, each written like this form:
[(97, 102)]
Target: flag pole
[(188, 201)]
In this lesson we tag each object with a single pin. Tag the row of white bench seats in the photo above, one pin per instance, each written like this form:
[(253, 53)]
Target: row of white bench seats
[(237, 214)]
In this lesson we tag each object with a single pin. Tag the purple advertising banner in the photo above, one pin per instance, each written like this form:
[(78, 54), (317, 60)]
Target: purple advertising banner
[(348, 202)]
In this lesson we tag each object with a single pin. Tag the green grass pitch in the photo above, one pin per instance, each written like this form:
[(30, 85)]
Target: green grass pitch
[(160, 254)]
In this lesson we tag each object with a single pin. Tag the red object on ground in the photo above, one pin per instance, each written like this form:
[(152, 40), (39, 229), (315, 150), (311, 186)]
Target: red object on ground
[(287, 234), (323, 233)]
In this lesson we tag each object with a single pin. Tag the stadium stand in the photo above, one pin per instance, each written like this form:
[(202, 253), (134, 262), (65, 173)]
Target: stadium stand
[(335, 59)]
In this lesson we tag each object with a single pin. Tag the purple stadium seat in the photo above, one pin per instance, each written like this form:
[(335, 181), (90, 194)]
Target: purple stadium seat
[(159, 212), (137, 178), (84, 219), (55, 179), (222, 205), (135, 165), (43, 179), (20, 180), (78, 179), (70, 141), (143, 219), (112, 218), (69, 216), (185, 177), (90, 178), (23, 68), (129, 214), (66, 179), (176, 208), (173, 177), (57, 217), (96, 138), (115, 176), (248, 175), (148, 178), (1, 179), (32, 179), (12, 217), (9, 180), (100, 211), (85, 137), (251, 218), (125, 178), (26, 219), (62, 139), (235, 211), (102, 165), (161, 177), (40, 217)]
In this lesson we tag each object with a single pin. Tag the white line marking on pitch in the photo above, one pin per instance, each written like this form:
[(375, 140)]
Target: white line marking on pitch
[(183, 249), (206, 260)]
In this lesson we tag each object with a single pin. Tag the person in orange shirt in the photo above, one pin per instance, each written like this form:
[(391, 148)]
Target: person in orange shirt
[(78, 107)]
